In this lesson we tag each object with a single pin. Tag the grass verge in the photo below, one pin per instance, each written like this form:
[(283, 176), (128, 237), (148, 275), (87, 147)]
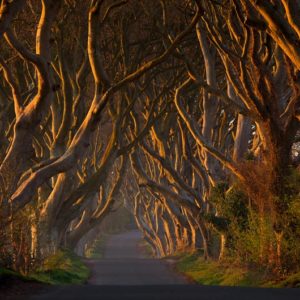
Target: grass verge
[(6, 274), (64, 267), (225, 274)]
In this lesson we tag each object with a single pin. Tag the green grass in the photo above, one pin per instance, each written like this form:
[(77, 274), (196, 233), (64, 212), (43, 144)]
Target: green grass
[(6, 274), (64, 267), (214, 273)]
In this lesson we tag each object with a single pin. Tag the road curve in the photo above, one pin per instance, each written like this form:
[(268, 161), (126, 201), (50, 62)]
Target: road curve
[(125, 273)]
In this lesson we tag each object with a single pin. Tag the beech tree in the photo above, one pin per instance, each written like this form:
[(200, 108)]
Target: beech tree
[(45, 164), (187, 111)]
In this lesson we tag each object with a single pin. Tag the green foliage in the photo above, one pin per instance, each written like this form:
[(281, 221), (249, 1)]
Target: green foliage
[(231, 205), (218, 194), (290, 220), (256, 236), (292, 182), (6, 273), (251, 245), (62, 268), (220, 224), (236, 207)]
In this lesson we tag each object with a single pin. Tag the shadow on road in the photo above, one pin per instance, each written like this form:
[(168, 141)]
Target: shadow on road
[(170, 292)]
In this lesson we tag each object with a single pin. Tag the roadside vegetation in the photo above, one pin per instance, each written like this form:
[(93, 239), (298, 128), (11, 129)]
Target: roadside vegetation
[(64, 267), (6, 274), (246, 238), (211, 272)]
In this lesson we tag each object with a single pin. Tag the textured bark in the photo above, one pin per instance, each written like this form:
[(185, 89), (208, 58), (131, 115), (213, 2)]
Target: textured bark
[(21, 152), (210, 104), (242, 132)]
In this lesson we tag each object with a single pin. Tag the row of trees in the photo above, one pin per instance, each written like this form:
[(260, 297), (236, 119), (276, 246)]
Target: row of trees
[(187, 111)]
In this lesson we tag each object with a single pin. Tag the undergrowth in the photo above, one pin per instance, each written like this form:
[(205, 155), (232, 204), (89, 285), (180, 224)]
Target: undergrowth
[(209, 272), (64, 267)]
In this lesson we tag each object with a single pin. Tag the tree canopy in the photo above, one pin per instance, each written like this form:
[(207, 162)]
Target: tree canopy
[(187, 112)]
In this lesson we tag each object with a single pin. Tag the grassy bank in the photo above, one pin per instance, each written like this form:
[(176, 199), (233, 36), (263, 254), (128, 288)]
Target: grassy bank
[(226, 274), (64, 267), (6, 274)]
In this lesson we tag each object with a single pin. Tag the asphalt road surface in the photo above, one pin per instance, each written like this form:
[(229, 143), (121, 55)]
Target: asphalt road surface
[(125, 263), (126, 273)]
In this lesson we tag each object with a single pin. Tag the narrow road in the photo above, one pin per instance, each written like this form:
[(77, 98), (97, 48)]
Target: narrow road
[(125, 264), (125, 273)]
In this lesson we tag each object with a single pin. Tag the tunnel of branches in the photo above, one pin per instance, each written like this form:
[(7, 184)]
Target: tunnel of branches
[(184, 112)]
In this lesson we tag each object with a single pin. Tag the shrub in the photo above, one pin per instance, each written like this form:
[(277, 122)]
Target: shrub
[(64, 267), (255, 235)]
